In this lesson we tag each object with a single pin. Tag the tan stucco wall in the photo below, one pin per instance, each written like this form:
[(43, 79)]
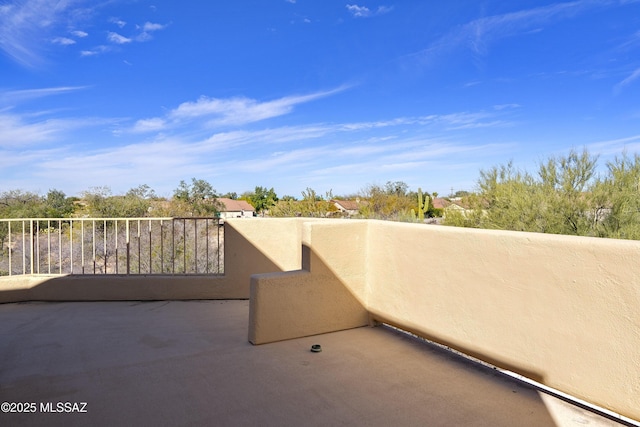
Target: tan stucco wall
[(562, 310), (251, 247), (321, 297)]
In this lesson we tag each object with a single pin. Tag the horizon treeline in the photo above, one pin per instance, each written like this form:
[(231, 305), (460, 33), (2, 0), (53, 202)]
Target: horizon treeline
[(565, 195)]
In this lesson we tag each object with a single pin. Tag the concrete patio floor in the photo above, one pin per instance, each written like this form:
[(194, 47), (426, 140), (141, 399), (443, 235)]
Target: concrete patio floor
[(184, 363)]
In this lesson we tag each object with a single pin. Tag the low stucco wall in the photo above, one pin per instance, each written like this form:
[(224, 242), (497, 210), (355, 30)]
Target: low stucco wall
[(323, 296), (562, 310), (251, 247)]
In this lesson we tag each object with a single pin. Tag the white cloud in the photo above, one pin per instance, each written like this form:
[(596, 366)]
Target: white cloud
[(213, 112), (117, 38), (24, 24), (359, 11), (30, 130), (181, 146), (150, 26), (95, 51), (65, 41), (149, 125), (365, 12), (119, 22)]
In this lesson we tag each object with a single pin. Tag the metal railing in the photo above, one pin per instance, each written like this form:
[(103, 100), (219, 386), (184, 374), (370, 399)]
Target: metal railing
[(131, 246)]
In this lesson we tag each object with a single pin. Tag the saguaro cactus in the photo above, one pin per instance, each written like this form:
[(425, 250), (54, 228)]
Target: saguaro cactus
[(423, 206)]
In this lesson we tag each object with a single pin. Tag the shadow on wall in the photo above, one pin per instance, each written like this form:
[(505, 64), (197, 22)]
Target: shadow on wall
[(301, 303), (246, 252)]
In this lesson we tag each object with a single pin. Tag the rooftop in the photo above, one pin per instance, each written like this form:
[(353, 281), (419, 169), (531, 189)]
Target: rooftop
[(189, 363)]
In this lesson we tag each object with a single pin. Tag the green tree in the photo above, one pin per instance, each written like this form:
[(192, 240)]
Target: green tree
[(311, 205), (58, 205), (391, 202), (196, 199), (142, 192), (617, 199), (558, 201), (21, 204), (262, 199), (100, 203), (230, 195)]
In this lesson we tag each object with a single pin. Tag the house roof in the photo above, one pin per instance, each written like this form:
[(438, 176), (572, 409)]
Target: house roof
[(230, 205), (349, 205), (440, 203)]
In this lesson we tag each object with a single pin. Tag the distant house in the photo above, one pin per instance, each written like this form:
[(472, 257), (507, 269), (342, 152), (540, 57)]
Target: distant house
[(230, 208), (448, 205), (347, 207), (440, 203)]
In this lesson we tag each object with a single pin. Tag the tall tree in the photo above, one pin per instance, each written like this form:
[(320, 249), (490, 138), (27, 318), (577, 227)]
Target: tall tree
[(58, 205), (197, 198), (617, 199), (262, 199), (21, 204), (558, 201)]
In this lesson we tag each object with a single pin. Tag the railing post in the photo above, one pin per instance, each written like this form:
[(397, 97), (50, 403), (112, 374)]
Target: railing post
[(71, 246), (24, 250), (59, 246), (127, 243), (150, 250), (10, 247), (32, 251), (195, 245), (48, 246)]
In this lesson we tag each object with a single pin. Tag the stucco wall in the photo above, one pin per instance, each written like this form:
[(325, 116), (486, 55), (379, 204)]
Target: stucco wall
[(562, 310), (251, 247), (324, 296)]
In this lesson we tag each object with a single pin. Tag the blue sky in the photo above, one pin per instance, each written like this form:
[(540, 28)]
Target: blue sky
[(290, 94)]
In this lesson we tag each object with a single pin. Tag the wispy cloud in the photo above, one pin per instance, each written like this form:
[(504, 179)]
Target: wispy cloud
[(150, 26), (16, 96), (117, 38), (23, 26), (97, 50), (20, 131), (214, 112), (478, 34), (119, 22), (65, 41), (627, 81), (147, 30), (316, 153), (364, 12), (615, 146)]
